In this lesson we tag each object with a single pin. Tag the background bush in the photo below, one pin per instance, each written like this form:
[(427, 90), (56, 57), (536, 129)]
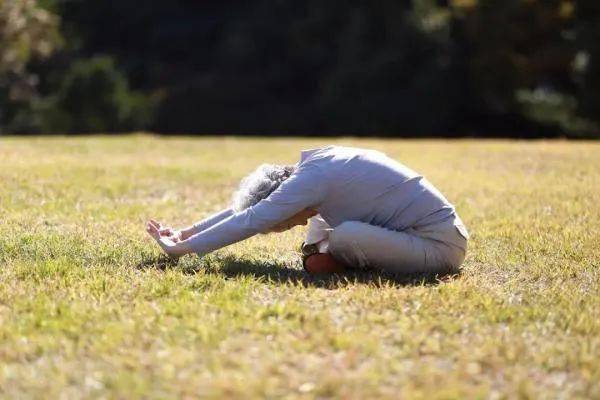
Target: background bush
[(398, 68), (95, 97)]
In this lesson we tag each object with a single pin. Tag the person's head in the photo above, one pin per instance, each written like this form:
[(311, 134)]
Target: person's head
[(260, 184)]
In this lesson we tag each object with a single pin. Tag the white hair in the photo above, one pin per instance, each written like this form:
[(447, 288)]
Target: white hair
[(260, 184)]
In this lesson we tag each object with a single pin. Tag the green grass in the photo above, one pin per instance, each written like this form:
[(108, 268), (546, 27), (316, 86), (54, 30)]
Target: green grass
[(87, 309)]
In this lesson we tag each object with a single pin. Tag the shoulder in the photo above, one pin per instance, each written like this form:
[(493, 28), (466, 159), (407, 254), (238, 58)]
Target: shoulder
[(314, 154), (331, 153)]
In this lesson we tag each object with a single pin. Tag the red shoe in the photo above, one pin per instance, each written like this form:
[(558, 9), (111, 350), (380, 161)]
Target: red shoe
[(323, 263)]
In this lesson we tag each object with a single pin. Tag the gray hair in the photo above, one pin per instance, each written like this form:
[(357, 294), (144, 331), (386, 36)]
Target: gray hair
[(260, 184)]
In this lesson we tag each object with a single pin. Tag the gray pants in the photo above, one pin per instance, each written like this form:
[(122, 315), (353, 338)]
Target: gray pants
[(437, 248)]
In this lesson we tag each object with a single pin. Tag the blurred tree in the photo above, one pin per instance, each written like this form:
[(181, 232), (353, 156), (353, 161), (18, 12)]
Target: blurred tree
[(334, 67), (394, 72), (94, 97), (27, 32), (510, 46), (587, 62), (397, 67)]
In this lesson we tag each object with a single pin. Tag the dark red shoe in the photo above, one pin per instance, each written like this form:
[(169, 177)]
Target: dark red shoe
[(323, 263)]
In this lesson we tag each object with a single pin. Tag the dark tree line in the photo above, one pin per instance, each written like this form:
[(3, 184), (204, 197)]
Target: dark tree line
[(524, 68)]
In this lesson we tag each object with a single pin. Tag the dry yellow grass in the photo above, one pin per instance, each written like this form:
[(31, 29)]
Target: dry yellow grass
[(86, 310)]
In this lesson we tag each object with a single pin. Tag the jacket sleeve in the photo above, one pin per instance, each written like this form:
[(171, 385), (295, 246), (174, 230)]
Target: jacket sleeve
[(303, 189), (212, 220)]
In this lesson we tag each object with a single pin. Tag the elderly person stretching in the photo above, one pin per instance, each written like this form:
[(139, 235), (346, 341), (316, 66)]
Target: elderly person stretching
[(365, 210)]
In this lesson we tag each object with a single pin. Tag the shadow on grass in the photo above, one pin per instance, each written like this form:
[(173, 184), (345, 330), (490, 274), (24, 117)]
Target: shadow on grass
[(163, 263), (281, 273)]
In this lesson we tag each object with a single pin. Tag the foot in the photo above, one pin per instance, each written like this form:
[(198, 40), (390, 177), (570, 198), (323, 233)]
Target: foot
[(323, 263)]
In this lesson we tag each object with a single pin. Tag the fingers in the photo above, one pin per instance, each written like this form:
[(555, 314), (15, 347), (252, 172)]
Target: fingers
[(152, 230), (155, 223), (166, 231), (163, 231)]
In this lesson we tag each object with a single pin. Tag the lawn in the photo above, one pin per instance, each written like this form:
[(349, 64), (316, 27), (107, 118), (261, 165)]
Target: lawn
[(88, 309)]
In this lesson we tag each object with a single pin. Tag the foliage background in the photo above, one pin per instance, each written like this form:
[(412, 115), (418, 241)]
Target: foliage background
[(525, 68)]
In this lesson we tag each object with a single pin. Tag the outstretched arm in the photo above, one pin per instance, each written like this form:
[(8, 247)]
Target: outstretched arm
[(177, 235), (205, 223), (170, 240), (302, 190)]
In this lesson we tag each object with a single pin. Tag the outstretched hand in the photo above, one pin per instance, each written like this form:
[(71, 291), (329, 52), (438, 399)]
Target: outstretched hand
[(167, 231), (166, 238)]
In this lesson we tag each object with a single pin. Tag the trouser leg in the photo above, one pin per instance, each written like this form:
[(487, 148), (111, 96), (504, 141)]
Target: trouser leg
[(362, 245)]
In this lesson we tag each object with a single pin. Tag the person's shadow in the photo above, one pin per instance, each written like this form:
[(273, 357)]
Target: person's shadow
[(276, 272)]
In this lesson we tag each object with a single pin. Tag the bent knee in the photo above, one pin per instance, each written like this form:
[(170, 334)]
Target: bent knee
[(343, 244), (344, 233), (456, 259)]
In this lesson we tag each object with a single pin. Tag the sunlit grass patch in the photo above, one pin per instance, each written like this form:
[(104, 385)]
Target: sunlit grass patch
[(89, 308)]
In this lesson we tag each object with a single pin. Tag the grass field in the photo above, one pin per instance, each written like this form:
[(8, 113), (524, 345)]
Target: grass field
[(87, 308)]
